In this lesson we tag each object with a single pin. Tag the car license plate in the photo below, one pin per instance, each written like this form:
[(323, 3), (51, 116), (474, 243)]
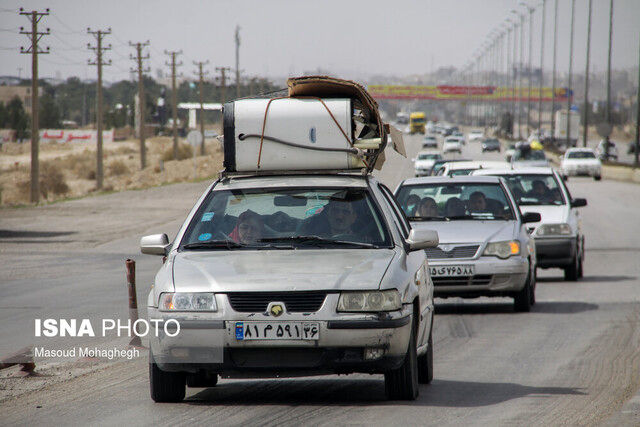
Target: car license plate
[(452, 270), (246, 331)]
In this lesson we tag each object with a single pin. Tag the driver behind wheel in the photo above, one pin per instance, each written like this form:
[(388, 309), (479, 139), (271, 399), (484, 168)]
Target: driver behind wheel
[(336, 219), (249, 229)]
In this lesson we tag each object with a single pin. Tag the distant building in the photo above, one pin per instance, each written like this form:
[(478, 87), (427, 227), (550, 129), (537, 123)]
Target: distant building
[(7, 93)]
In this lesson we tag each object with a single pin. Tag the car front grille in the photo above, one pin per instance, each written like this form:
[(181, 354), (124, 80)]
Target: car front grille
[(295, 302), (477, 280), (457, 252)]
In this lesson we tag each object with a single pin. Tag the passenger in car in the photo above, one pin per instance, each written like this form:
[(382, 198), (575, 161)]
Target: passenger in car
[(477, 202), (454, 207), (249, 229), (539, 190), (337, 218), (412, 204), (427, 208)]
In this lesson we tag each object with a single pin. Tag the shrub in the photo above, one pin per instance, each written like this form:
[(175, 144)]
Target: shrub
[(184, 152), (118, 167), (52, 180)]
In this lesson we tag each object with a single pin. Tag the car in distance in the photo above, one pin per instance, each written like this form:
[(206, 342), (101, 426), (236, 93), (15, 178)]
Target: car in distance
[(475, 135), (558, 236), (525, 157), (439, 165), (460, 136), (246, 278), (452, 144), (429, 141), (581, 162), (424, 161), (465, 168), (484, 249), (490, 144)]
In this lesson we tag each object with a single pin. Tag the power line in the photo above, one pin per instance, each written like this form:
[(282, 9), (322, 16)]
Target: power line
[(71, 30)]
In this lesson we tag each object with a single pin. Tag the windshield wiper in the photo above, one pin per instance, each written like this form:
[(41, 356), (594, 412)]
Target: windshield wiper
[(317, 241), (214, 244), (427, 218), (454, 217)]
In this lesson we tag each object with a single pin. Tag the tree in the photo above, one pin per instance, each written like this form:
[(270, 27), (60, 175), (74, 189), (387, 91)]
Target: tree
[(18, 119), (3, 116), (49, 116)]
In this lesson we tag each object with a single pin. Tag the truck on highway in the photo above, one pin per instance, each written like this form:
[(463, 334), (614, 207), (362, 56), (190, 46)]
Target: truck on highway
[(417, 122), (560, 133)]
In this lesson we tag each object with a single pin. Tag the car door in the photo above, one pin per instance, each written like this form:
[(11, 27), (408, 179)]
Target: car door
[(416, 267)]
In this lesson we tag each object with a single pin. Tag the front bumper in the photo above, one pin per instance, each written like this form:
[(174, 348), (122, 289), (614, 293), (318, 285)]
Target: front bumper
[(582, 171), (492, 277), (208, 341), (555, 251)]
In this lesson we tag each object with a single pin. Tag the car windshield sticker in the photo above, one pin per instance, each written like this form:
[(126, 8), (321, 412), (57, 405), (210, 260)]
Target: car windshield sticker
[(204, 236), (207, 216)]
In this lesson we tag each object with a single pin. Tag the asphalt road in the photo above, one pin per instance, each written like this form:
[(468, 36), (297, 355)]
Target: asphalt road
[(574, 359)]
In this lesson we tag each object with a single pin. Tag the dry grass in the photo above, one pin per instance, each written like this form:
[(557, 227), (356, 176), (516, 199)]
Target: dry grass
[(118, 167), (184, 152), (72, 174)]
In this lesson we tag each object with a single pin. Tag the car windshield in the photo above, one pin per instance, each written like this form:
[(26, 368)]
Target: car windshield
[(524, 155), (428, 156), (451, 202), (581, 155), (286, 218), (535, 189), (491, 141)]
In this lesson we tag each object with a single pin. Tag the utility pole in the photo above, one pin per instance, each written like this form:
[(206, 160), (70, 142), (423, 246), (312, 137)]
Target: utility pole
[(608, 112), (174, 98), (35, 36), (585, 131), (514, 79), (553, 80), (573, 7), (237, 61), (201, 75), (636, 152), (99, 49), (520, 107), (141, 99), (530, 10), (544, 13), (223, 83)]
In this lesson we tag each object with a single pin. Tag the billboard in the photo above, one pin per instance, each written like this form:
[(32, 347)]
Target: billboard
[(466, 93)]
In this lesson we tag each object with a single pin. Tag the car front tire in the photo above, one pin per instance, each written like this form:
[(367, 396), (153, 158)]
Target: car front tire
[(425, 363), (522, 299), (597, 177), (166, 386), (402, 383), (572, 272)]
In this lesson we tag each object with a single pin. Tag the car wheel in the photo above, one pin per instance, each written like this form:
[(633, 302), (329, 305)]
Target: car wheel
[(402, 383), (425, 363), (166, 386), (571, 272), (522, 299), (597, 177), (533, 281)]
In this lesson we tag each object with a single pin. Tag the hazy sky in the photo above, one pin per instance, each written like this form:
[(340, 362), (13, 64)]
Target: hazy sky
[(349, 38)]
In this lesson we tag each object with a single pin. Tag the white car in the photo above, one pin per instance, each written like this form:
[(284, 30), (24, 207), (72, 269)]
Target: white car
[(451, 144), (430, 141), (465, 168), (460, 136), (558, 236), (475, 135), (423, 163), (581, 161)]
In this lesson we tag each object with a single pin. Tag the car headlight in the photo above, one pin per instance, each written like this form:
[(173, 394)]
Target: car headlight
[(554, 230), (503, 249), (188, 301), (370, 301)]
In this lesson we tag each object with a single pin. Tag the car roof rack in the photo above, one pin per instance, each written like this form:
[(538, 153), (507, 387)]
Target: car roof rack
[(224, 174)]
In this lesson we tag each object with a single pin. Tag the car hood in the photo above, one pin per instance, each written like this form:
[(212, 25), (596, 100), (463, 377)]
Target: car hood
[(474, 231), (280, 270), (550, 214)]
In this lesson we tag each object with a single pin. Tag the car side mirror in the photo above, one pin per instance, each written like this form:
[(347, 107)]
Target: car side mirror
[(154, 244), (531, 217), (422, 239), (578, 203)]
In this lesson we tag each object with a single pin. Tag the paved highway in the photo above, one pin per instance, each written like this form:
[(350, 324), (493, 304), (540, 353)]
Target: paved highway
[(574, 359)]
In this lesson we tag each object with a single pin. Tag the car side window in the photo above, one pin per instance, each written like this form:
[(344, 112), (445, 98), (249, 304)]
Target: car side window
[(403, 224)]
